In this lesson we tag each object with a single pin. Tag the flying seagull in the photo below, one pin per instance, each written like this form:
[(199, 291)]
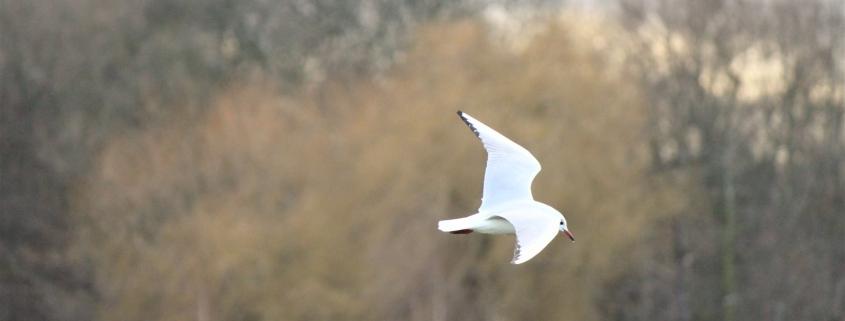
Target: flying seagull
[(507, 206)]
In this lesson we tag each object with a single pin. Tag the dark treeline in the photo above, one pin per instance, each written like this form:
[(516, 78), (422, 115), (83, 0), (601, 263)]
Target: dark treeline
[(75, 72), (287, 160), (748, 97)]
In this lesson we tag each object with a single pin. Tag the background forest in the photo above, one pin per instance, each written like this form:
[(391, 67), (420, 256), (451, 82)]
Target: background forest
[(288, 160)]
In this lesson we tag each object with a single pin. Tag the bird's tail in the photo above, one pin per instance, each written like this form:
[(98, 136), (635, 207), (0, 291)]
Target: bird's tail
[(456, 225)]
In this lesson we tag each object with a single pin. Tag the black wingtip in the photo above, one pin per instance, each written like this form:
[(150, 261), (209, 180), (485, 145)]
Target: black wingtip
[(471, 126), (516, 251)]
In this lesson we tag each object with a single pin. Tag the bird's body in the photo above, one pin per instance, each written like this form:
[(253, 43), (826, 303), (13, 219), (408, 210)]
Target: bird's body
[(480, 223), (491, 223), (507, 206)]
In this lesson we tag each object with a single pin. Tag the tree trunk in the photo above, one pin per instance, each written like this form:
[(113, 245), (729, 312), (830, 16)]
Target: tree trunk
[(729, 295)]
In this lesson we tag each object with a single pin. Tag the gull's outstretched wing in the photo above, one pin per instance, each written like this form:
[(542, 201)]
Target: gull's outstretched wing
[(510, 167), (533, 232)]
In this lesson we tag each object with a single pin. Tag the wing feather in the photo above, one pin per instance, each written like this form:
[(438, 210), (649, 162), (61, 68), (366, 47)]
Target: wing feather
[(534, 232), (510, 168)]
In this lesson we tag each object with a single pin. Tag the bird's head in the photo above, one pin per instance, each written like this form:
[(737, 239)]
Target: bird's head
[(565, 230)]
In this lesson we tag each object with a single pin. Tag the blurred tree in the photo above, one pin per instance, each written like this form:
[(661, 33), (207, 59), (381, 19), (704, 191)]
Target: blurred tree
[(37, 281), (747, 97), (288, 160), (323, 205), (75, 73)]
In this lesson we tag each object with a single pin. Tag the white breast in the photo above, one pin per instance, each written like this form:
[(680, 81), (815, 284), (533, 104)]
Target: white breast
[(494, 225)]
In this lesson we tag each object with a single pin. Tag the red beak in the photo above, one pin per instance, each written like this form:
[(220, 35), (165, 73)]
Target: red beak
[(569, 234)]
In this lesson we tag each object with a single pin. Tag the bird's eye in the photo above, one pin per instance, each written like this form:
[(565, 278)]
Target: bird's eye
[(561, 222)]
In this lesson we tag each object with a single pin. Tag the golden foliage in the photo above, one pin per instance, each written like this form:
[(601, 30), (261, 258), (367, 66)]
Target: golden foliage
[(324, 205)]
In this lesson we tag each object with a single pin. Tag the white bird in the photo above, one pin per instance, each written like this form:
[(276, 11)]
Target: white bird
[(507, 206)]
